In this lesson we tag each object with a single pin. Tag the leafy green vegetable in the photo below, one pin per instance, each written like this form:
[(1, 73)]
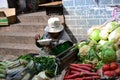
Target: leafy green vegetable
[(108, 55), (25, 57), (99, 65), (108, 44), (2, 76), (92, 55), (102, 42), (114, 35), (95, 35), (47, 64), (111, 26), (43, 63), (104, 35)]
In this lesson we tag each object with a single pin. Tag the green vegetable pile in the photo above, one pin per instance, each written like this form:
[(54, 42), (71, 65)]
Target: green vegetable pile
[(43, 63), (101, 46), (27, 66)]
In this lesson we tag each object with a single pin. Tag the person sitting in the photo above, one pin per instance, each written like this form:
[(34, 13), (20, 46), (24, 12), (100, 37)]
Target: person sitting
[(56, 32)]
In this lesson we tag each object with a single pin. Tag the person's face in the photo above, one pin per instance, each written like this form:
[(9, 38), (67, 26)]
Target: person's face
[(54, 35)]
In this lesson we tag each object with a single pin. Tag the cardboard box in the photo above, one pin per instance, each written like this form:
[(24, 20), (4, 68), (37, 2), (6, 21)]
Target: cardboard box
[(10, 14), (3, 19)]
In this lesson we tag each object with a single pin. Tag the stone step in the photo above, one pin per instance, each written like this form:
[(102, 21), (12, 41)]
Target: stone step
[(39, 13), (24, 27), (39, 17), (18, 37), (17, 49)]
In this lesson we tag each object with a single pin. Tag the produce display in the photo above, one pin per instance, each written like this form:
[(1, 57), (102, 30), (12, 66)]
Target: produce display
[(97, 59), (29, 67), (81, 72), (101, 51), (34, 66)]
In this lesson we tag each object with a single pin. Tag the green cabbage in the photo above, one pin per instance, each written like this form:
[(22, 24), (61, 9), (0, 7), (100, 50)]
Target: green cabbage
[(95, 35), (109, 45), (108, 55)]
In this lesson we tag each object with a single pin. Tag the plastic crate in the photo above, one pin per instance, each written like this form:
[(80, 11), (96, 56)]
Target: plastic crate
[(60, 48)]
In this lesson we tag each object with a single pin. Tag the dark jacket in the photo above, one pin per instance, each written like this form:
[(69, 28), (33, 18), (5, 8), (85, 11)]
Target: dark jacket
[(63, 37)]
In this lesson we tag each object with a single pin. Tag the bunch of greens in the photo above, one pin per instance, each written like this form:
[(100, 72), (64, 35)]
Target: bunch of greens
[(47, 64), (43, 63)]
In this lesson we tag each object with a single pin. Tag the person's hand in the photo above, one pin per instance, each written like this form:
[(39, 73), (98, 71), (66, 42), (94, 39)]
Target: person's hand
[(37, 36)]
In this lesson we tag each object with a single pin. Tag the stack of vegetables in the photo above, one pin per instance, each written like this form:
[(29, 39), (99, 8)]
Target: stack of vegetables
[(29, 67), (102, 46), (81, 72), (111, 70), (3, 66)]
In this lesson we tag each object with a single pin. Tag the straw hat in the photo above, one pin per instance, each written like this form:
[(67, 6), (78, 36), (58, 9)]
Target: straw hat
[(54, 25)]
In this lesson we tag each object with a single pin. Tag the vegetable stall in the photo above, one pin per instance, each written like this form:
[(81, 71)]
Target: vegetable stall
[(33, 66), (96, 58)]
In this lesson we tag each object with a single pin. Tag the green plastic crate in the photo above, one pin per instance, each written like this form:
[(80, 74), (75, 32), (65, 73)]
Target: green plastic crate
[(60, 48)]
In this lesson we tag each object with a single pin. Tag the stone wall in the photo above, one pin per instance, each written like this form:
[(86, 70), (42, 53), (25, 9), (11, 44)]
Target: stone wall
[(80, 15)]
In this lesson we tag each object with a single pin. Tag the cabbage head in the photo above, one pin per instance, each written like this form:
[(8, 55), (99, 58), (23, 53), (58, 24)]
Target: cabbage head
[(102, 42), (109, 45), (114, 35), (103, 35), (95, 35), (108, 55), (111, 26)]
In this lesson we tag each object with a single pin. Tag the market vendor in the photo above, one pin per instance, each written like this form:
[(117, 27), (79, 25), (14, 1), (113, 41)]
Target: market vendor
[(55, 31)]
